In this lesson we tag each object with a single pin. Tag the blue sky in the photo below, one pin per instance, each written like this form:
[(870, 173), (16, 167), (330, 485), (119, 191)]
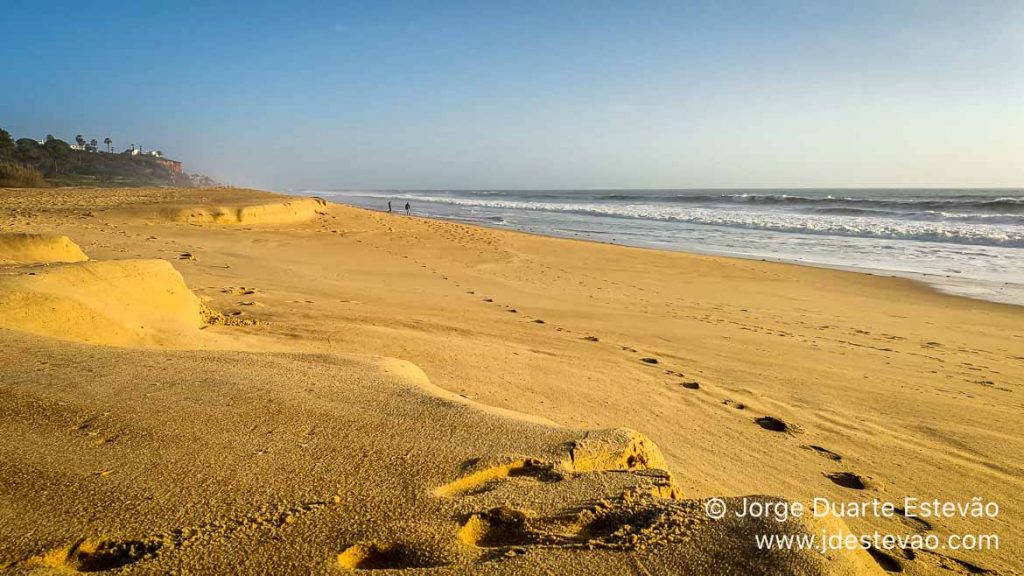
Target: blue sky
[(289, 95)]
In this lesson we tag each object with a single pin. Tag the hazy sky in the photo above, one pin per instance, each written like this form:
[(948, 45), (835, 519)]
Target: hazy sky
[(533, 95)]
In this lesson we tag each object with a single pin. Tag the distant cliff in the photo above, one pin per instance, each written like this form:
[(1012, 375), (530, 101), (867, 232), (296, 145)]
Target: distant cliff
[(28, 162)]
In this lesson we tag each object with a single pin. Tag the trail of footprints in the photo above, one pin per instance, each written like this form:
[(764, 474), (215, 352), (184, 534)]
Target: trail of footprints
[(509, 531), (853, 481), (770, 423), (845, 479)]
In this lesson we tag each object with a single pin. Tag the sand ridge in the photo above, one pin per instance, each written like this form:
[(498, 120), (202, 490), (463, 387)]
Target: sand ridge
[(281, 212)]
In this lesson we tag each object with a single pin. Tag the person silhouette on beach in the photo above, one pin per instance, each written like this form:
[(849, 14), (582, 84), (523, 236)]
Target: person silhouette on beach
[(407, 208), (389, 205)]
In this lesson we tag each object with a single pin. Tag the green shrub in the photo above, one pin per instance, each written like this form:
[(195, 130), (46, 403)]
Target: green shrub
[(14, 175)]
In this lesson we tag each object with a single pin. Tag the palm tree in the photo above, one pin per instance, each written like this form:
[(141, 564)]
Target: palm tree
[(80, 140), (109, 143), (93, 143)]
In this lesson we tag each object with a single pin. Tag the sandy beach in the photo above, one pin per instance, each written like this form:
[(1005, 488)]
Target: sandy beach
[(233, 381)]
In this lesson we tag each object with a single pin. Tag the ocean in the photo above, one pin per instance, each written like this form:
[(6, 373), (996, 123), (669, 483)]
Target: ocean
[(968, 242)]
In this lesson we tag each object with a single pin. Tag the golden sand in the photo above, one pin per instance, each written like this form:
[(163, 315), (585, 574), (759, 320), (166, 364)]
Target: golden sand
[(38, 249), (238, 382)]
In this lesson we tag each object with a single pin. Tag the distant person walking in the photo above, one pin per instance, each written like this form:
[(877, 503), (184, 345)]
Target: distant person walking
[(407, 207), (389, 205)]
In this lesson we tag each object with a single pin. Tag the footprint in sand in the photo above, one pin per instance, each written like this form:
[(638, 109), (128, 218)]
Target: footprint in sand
[(498, 527), (734, 404), (387, 556), (774, 424), (649, 360), (96, 555), (485, 480), (846, 480), (690, 385)]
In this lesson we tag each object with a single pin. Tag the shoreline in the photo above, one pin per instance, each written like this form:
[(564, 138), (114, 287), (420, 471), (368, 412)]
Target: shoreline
[(946, 285)]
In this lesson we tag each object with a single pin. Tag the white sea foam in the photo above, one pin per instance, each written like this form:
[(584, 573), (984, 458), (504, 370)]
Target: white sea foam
[(951, 230)]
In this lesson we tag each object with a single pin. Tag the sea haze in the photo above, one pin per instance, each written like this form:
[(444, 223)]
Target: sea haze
[(967, 242)]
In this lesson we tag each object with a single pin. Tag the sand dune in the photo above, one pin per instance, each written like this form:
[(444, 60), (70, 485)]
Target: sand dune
[(576, 407), (38, 249)]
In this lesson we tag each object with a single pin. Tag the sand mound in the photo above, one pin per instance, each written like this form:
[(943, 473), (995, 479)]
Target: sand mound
[(119, 302), (613, 450), (38, 249), (298, 210), (385, 556), (616, 449)]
